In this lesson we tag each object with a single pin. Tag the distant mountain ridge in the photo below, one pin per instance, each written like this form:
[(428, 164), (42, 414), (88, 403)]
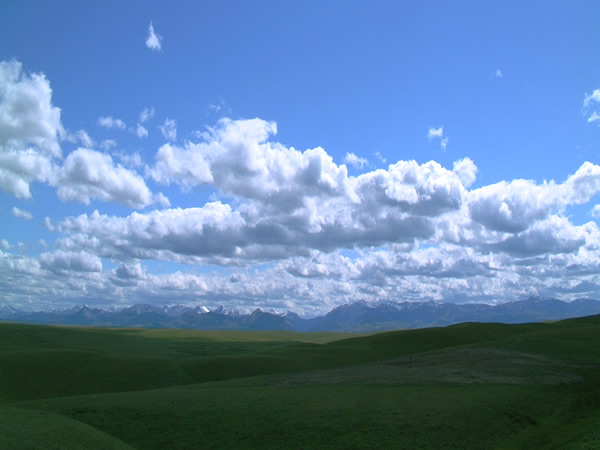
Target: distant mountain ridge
[(358, 316)]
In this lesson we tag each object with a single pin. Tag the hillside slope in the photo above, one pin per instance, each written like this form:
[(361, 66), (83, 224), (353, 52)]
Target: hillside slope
[(470, 385)]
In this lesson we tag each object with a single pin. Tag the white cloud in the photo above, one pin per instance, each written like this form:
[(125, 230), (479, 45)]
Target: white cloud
[(162, 200), (594, 97), (21, 214), (141, 131), (588, 100), (88, 175), (129, 159), (48, 224), (498, 74), (107, 144), (169, 129), (411, 228), (438, 133), (514, 206), (20, 167), (290, 201), (43, 243), (355, 161), (555, 235), (128, 273), (85, 139), (596, 211), (63, 262), (146, 114), (4, 245), (380, 157), (111, 122), (435, 133), (153, 40), (30, 129), (594, 117), (466, 170), (444, 144)]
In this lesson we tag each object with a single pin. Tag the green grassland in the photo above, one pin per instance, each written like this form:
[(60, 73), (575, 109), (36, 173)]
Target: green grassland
[(465, 386)]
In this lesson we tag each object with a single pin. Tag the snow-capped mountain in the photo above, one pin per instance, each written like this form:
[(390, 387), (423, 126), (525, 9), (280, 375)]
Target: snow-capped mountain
[(358, 316)]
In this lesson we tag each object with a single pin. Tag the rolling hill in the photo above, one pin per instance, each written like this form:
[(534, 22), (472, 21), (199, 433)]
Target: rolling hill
[(470, 385)]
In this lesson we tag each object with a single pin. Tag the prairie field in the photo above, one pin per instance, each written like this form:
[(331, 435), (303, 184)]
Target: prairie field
[(464, 386)]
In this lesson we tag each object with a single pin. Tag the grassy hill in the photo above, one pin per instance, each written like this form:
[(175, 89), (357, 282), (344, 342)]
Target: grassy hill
[(465, 386)]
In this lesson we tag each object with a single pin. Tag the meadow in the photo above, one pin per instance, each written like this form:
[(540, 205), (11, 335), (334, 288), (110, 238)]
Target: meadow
[(464, 386)]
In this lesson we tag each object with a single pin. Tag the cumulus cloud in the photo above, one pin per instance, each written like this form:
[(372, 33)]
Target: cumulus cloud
[(498, 73), (514, 206), (169, 129), (111, 122), (4, 245), (466, 170), (355, 161), (88, 174), (293, 229), (62, 262), (30, 129), (21, 214), (237, 159), (153, 40), (289, 201), (555, 235)]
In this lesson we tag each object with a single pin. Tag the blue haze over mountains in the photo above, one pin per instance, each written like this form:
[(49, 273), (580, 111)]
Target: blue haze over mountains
[(358, 316)]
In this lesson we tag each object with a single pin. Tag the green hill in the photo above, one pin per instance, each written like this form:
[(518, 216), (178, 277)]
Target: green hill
[(465, 386)]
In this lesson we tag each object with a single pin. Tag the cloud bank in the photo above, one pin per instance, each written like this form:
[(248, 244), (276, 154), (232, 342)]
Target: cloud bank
[(282, 228)]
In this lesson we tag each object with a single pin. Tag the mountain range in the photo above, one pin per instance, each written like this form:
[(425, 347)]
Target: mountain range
[(357, 316)]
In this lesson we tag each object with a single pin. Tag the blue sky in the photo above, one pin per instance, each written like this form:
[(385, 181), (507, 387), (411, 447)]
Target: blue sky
[(297, 155)]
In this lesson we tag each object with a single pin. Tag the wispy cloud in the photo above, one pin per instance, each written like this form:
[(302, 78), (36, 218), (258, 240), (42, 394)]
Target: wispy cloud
[(48, 224), (444, 143), (355, 161), (107, 144), (153, 40), (85, 139), (169, 129), (141, 131), (435, 132), (21, 214), (111, 122), (146, 114), (594, 97), (588, 100), (438, 133), (380, 157), (594, 117)]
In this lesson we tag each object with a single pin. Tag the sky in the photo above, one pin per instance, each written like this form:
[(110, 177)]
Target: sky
[(298, 155)]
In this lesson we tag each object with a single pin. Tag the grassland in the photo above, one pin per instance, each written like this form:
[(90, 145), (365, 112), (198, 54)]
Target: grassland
[(464, 386)]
